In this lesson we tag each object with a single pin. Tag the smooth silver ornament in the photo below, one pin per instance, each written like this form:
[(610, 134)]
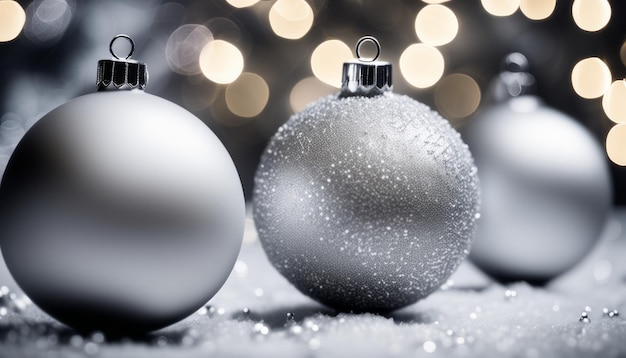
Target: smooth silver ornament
[(120, 212), (545, 184), (366, 203)]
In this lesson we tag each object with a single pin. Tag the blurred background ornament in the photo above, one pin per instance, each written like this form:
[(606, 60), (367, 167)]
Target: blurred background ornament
[(545, 185), (366, 200), (120, 211)]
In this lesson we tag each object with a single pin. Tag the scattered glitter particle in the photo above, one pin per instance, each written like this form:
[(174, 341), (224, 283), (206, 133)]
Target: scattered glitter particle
[(584, 317), (187, 341), (510, 295), (610, 313), (602, 271), (241, 269), (98, 337), (314, 343), (295, 330), (76, 341), (259, 292), (446, 286), (91, 348), (161, 341), (430, 346), (261, 329)]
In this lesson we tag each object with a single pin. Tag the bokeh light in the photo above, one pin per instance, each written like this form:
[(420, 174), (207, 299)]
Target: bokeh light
[(12, 20), (616, 144), (421, 65), (226, 29), (221, 61), (11, 130), (242, 3), (306, 91), (248, 95), (537, 9), (591, 15), (591, 77), (457, 96), (436, 25), (622, 53), (184, 46), (614, 102), (602, 271), (291, 19), (327, 61), (500, 7), (47, 21), (197, 94)]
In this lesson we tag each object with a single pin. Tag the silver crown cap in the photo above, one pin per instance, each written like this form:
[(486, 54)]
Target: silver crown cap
[(121, 73), (368, 78), (514, 79)]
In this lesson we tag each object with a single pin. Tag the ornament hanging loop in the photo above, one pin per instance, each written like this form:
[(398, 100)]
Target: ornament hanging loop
[(360, 43), (132, 46)]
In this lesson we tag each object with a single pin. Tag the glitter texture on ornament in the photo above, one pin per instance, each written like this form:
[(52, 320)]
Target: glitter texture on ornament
[(366, 203)]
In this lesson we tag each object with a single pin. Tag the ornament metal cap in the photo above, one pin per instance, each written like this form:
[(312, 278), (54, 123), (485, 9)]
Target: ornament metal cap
[(366, 77), (515, 78), (122, 73)]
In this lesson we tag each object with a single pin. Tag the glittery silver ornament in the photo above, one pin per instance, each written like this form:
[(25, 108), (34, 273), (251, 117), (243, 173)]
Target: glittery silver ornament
[(366, 200), (120, 211), (545, 184)]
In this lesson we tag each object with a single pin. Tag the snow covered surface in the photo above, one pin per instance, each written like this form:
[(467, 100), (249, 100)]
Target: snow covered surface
[(258, 313)]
